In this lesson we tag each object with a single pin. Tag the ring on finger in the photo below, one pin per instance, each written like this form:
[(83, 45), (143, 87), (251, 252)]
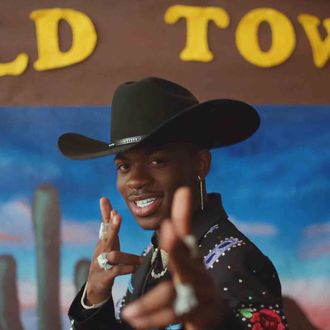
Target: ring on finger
[(185, 300), (103, 261), (103, 231)]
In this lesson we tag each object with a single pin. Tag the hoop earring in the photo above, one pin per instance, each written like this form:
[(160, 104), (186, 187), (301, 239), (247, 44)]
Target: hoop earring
[(201, 191)]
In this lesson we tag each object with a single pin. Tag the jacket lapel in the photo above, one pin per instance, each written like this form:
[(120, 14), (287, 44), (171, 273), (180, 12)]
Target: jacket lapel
[(139, 278)]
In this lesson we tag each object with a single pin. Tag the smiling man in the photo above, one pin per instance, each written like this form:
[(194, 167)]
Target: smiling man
[(148, 177), (201, 272)]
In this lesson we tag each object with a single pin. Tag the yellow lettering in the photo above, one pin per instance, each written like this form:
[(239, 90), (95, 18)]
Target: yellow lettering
[(283, 37), (197, 19), (49, 54), (320, 48), (16, 67)]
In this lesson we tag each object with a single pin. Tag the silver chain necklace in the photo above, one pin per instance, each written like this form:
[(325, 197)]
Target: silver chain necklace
[(164, 258)]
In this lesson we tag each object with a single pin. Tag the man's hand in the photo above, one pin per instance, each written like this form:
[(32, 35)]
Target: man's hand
[(100, 281), (155, 309)]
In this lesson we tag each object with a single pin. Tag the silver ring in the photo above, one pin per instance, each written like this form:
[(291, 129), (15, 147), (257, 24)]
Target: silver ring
[(103, 231), (103, 261), (185, 300)]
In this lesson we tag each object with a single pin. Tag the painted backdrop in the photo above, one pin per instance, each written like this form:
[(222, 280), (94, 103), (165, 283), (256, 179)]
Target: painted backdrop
[(60, 62), (275, 187)]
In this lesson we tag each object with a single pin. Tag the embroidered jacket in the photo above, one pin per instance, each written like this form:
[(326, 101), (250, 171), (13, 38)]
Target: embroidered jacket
[(245, 279)]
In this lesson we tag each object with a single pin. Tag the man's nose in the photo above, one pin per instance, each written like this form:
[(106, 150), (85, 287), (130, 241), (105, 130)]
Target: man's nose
[(139, 177)]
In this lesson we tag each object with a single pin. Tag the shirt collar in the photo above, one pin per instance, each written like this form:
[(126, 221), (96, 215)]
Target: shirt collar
[(212, 214)]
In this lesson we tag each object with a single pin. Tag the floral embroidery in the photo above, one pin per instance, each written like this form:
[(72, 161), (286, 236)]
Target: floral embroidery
[(246, 312), (264, 319)]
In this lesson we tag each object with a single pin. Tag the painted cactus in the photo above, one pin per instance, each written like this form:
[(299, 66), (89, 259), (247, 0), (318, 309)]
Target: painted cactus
[(81, 273), (9, 304), (46, 220)]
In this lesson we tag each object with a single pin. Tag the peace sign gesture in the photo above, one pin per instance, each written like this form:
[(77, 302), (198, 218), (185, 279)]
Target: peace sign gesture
[(101, 275), (190, 297)]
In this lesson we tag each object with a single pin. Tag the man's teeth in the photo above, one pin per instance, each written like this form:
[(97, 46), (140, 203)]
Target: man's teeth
[(145, 202)]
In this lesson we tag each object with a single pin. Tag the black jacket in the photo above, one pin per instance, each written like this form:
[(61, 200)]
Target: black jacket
[(245, 279)]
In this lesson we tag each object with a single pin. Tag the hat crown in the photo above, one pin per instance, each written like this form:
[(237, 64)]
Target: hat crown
[(139, 107), (157, 111)]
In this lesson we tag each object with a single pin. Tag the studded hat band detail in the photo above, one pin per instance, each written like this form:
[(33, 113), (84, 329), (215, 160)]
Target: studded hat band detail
[(129, 140)]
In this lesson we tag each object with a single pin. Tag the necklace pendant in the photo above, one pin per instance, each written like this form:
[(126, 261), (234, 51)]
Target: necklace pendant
[(158, 275)]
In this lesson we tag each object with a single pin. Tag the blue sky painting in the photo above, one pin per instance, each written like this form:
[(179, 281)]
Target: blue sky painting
[(275, 188)]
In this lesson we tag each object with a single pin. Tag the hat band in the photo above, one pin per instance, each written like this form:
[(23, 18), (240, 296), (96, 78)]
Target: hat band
[(129, 140)]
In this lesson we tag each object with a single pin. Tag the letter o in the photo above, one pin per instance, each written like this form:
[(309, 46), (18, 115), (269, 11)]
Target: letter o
[(283, 37)]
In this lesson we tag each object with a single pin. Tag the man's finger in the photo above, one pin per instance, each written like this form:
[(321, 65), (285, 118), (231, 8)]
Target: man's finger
[(105, 277), (181, 265), (121, 258), (168, 236), (159, 298), (182, 211), (105, 208), (157, 319), (112, 240), (118, 270)]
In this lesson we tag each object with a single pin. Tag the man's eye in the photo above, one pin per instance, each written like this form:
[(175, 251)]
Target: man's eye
[(158, 162), (122, 167)]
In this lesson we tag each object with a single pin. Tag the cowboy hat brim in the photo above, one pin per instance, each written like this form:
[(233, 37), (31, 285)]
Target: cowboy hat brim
[(211, 124)]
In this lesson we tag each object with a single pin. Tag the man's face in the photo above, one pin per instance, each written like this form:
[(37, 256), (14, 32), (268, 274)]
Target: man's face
[(147, 179)]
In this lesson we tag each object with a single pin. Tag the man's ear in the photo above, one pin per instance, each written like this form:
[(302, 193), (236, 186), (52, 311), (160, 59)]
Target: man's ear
[(203, 163)]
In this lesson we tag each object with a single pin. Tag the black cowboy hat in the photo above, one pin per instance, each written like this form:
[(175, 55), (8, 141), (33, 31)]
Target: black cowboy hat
[(157, 111)]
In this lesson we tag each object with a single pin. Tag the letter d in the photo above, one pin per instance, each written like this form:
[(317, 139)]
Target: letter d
[(50, 55)]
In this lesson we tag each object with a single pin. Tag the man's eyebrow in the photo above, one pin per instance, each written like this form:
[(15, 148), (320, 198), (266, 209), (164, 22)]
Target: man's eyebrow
[(153, 150), (120, 156)]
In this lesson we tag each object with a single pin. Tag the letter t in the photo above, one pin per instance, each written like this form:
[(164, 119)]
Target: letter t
[(197, 18)]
